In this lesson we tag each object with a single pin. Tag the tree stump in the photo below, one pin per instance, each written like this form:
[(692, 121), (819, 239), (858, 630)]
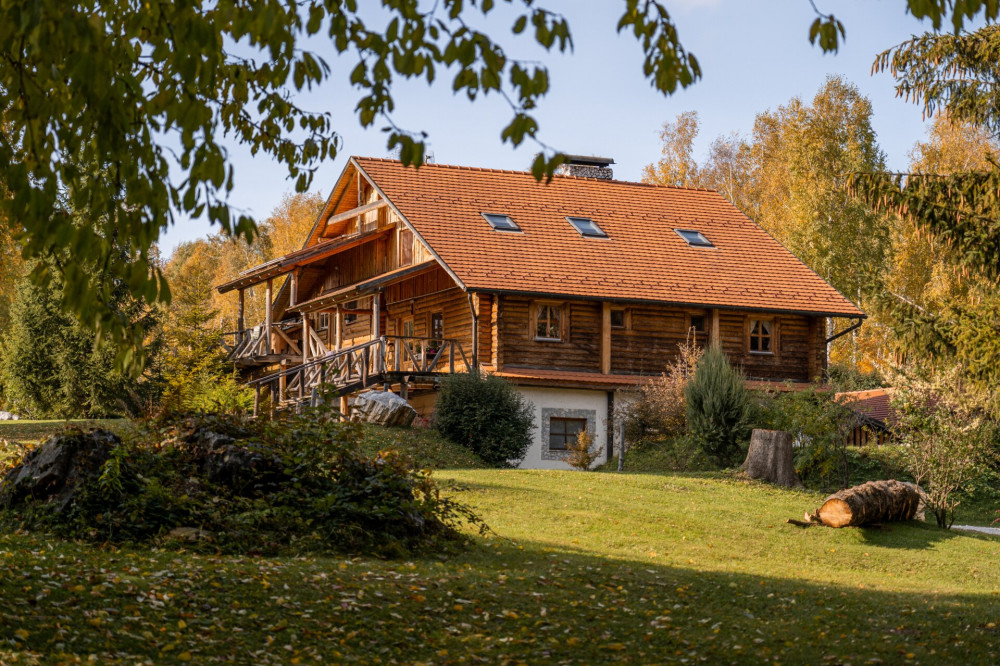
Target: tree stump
[(770, 458), (873, 502)]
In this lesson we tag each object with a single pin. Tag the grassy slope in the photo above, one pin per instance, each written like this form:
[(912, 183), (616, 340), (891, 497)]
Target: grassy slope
[(634, 568)]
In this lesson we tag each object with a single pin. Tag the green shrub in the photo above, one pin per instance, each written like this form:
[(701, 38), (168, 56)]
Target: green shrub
[(821, 427), (297, 485), (487, 415), (718, 409), (659, 412)]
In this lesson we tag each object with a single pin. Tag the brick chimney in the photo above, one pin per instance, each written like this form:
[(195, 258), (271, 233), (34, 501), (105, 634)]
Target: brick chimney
[(586, 166)]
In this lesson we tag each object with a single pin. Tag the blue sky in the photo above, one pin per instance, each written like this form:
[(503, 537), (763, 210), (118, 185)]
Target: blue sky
[(754, 54)]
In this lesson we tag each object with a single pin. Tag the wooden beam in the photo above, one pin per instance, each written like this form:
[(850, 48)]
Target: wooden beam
[(339, 333), (354, 212), (241, 322), (305, 344), (376, 332), (268, 314), (293, 294), (606, 338), (715, 338)]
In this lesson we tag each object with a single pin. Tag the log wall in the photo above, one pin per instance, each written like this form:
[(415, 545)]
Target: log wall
[(421, 296), (651, 340), (578, 350)]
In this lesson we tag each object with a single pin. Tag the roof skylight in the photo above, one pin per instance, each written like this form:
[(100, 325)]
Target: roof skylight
[(587, 227), (500, 222), (694, 238)]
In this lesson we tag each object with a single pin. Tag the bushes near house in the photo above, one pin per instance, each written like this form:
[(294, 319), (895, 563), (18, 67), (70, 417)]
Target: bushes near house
[(950, 438), (660, 411), (486, 414), (581, 451), (820, 426), (226, 484), (718, 409)]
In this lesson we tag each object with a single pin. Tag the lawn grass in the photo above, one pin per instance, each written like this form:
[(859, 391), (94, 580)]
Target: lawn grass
[(427, 448), (34, 431), (587, 568)]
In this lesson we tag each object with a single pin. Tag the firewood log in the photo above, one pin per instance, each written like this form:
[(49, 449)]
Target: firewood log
[(873, 502)]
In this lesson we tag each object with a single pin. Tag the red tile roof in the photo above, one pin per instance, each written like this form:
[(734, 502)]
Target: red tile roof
[(875, 404), (642, 259)]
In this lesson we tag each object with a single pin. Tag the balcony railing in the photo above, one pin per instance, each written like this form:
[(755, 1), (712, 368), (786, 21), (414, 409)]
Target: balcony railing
[(360, 366)]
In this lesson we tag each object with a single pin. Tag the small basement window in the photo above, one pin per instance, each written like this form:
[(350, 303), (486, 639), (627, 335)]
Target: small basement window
[(500, 222), (563, 432), (694, 238), (697, 323), (587, 227), (761, 335)]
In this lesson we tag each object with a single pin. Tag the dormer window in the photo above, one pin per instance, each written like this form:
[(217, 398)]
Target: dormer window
[(694, 238), (500, 222), (586, 227)]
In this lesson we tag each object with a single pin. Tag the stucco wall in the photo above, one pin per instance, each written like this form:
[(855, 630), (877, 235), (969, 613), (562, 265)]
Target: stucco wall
[(575, 403)]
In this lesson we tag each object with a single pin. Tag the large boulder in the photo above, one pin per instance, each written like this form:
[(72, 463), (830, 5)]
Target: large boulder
[(8, 416), (241, 466), (384, 408), (59, 469)]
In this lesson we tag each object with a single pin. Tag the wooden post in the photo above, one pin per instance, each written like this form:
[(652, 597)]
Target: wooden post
[(306, 337), (293, 295), (268, 315), (282, 380), (344, 408), (473, 307), (715, 339), (606, 338), (376, 317), (256, 398), (240, 320), (621, 445), (338, 330)]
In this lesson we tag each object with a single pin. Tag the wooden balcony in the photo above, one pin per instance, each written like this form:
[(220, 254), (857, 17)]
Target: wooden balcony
[(383, 360)]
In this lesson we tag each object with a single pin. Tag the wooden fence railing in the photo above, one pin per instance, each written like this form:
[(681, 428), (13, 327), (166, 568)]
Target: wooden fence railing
[(359, 367)]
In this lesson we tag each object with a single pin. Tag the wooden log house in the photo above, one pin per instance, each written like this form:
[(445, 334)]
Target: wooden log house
[(575, 290)]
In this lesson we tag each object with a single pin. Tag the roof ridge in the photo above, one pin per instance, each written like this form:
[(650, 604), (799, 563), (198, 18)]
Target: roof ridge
[(463, 167)]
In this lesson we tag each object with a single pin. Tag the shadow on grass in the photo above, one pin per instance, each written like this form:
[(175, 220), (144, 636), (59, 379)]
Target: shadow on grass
[(499, 602), (916, 535)]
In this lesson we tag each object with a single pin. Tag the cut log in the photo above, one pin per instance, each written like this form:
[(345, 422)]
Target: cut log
[(769, 458), (873, 502)]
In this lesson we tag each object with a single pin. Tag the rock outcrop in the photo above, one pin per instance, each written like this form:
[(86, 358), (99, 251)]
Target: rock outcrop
[(384, 408), (59, 469)]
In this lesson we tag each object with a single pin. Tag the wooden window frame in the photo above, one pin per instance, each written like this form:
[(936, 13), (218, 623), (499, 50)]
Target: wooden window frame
[(350, 317), (402, 323), (564, 435), (536, 308), (689, 322), (626, 319), (773, 336), (430, 325)]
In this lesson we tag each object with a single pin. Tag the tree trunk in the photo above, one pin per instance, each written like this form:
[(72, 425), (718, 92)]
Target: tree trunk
[(873, 502), (770, 458)]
